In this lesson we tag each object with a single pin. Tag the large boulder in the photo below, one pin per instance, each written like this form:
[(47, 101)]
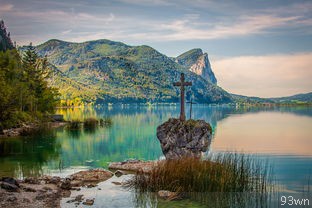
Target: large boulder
[(180, 139)]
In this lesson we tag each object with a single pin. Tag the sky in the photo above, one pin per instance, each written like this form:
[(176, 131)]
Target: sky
[(256, 48)]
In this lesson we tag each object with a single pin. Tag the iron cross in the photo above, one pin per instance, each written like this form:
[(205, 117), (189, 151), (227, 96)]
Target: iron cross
[(182, 84)]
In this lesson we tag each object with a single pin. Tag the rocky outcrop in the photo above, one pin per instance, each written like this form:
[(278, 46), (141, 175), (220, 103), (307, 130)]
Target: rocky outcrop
[(184, 139), (202, 67), (198, 62)]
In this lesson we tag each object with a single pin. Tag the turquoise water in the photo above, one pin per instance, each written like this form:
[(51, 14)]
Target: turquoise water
[(282, 136)]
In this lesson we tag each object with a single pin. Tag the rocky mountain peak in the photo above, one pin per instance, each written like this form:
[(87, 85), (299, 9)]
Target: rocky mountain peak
[(190, 57), (198, 62), (202, 67)]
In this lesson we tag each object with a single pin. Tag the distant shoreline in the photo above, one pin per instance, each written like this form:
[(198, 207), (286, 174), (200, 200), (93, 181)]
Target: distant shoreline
[(205, 104), (27, 129)]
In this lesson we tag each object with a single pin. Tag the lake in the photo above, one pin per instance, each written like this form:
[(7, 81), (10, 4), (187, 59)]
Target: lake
[(282, 136)]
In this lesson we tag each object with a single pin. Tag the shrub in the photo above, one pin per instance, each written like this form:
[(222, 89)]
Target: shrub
[(74, 125), (107, 122), (90, 123)]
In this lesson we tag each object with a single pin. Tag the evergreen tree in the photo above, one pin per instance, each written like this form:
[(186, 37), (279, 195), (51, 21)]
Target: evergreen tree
[(24, 91)]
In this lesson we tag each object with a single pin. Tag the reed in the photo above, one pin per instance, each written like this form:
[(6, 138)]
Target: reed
[(90, 123), (219, 173), (74, 125), (106, 122)]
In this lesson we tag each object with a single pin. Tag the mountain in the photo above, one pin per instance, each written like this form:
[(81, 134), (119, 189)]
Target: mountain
[(5, 40), (249, 99), (297, 99), (108, 71), (197, 61)]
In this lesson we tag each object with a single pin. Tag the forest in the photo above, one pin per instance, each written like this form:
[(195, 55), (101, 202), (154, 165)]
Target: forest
[(25, 96)]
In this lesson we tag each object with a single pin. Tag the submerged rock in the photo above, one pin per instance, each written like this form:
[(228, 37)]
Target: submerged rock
[(184, 138), (88, 202)]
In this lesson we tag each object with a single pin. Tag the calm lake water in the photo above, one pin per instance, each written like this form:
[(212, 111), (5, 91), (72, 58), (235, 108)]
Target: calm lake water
[(280, 135)]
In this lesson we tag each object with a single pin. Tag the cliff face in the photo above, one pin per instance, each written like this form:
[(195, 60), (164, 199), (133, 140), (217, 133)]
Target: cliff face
[(198, 62), (202, 67)]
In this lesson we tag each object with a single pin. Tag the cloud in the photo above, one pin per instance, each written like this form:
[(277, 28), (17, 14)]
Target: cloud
[(6, 7), (188, 28), (265, 76), (148, 2), (244, 25)]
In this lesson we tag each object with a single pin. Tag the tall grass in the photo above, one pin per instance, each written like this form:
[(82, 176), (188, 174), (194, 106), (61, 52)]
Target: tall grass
[(90, 123), (219, 173), (106, 122), (74, 125), (222, 180)]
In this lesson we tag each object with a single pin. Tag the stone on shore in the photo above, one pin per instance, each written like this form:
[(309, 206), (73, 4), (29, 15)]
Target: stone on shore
[(180, 139), (133, 165), (91, 176), (46, 191)]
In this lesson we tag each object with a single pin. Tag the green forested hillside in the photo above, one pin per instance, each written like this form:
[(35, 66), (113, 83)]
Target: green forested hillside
[(295, 99), (108, 71), (24, 93)]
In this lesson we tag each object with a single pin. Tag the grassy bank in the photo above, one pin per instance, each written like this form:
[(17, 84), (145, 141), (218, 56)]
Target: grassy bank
[(190, 177), (220, 173)]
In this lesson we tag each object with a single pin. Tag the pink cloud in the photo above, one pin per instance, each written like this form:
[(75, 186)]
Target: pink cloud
[(265, 76)]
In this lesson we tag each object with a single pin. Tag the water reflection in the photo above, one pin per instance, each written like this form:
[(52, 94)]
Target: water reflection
[(26, 156), (132, 134)]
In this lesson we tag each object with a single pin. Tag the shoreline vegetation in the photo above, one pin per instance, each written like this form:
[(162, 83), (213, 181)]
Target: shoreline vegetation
[(220, 173), (187, 178), (88, 124)]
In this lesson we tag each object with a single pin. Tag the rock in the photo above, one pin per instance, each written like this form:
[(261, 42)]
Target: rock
[(10, 181), (65, 184), (117, 183), (55, 180), (119, 173), (145, 166), (92, 176), (9, 187), (29, 189), (78, 198), (184, 139), (88, 202), (26, 200), (40, 196), (76, 183), (91, 185), (32, 180), (168, 195), (12, 199)]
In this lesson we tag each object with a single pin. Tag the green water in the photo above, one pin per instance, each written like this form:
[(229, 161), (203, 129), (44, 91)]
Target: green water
[(281, 136)]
